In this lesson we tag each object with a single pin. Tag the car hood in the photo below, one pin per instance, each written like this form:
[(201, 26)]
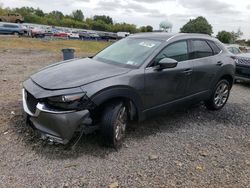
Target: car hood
[(75, 73)]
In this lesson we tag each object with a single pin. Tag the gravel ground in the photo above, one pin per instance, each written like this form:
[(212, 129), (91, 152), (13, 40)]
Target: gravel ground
[(188, 148)]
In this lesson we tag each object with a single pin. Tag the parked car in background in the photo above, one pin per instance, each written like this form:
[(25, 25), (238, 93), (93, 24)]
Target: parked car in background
[(60, 34), (248, 50), (11, 29), (152, 73), (234, 49), (107, 36), (37, 32), (123, 34), (73, 34), (242, 61), (12, 17), (89, 35)]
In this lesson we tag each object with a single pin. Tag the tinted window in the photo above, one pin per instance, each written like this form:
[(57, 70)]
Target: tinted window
[(215, 48), (200, 49), (177, 51), (10, 26)]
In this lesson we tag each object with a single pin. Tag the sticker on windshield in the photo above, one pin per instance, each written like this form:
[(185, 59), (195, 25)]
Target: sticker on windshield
[(130, 63), (147, 44)]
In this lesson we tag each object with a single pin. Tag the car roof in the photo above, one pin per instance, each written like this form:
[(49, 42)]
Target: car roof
[(163, 36)]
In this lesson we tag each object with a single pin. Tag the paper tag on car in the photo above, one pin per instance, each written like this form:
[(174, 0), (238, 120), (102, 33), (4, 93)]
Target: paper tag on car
[(130, 63), (147, 44)]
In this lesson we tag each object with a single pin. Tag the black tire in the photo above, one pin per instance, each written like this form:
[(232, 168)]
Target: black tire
[(219, 96), (18, 21), (113, 124)]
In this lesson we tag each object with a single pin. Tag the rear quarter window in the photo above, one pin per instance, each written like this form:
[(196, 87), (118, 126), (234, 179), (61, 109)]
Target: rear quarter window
[(215, 47)]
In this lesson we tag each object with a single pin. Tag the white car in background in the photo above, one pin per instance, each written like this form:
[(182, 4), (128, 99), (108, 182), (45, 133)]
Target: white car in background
[(73, 34)]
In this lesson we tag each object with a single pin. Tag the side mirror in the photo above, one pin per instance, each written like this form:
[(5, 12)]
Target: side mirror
[(166, 63)]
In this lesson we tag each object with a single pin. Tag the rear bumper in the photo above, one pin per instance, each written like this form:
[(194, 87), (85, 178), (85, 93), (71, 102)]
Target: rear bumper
[(58, 126)]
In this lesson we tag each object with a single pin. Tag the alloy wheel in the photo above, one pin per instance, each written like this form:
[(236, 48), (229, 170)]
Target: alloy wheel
[(221, 94), (121, 123)]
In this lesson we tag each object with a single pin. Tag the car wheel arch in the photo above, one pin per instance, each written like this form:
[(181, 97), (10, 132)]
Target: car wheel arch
[(229, 78), (127, 95)]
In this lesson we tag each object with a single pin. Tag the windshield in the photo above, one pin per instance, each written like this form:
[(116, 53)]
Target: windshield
[(128, 51)]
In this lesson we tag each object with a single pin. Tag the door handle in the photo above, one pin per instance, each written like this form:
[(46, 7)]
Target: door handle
[(188, 71), (219, 63)]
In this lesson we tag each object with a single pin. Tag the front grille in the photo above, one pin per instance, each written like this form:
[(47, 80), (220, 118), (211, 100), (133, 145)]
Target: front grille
[(31, 102), (243, 61)]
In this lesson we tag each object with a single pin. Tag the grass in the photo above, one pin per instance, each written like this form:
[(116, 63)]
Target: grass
[(81, 47)]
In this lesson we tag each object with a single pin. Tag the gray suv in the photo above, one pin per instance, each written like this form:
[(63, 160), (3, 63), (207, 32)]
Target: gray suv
[(132, 79), (11, 29)]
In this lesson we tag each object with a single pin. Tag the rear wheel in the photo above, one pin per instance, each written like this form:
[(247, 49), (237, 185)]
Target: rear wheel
[(219, 96), (113, 124), (16, 33)]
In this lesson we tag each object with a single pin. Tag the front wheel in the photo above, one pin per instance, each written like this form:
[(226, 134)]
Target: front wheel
[(114, 123), (219, 96)]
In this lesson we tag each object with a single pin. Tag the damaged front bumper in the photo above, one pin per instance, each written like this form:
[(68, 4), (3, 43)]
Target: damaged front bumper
[(57, 126)]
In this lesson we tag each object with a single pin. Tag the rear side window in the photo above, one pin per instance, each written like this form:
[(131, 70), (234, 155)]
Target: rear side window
[(177, 51), (214, 46), (200, 49)]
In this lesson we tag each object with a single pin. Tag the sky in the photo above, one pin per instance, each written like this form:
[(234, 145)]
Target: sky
[(229, 15)]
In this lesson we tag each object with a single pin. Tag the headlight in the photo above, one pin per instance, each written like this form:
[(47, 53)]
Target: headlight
[(77, 101), (67, 98)]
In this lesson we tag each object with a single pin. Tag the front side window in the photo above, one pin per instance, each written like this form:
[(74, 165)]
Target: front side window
[(177, 51), (128, 52), (200, 49)]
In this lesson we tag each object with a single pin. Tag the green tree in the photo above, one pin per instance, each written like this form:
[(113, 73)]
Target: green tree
[(99, 25), (143, 29), (225, 37), (198, 25), (149, 28), (39, 12), (105, 19), (236, 35), (56, 15), (78, 15)]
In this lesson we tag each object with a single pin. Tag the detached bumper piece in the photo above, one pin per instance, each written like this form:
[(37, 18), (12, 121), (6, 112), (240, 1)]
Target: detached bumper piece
[(56, 126)]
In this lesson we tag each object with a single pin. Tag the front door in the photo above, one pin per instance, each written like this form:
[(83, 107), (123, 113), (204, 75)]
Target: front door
[(167, 85)]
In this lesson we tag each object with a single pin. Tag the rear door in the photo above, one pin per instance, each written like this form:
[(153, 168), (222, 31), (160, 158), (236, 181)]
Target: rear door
[(206, 61)]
